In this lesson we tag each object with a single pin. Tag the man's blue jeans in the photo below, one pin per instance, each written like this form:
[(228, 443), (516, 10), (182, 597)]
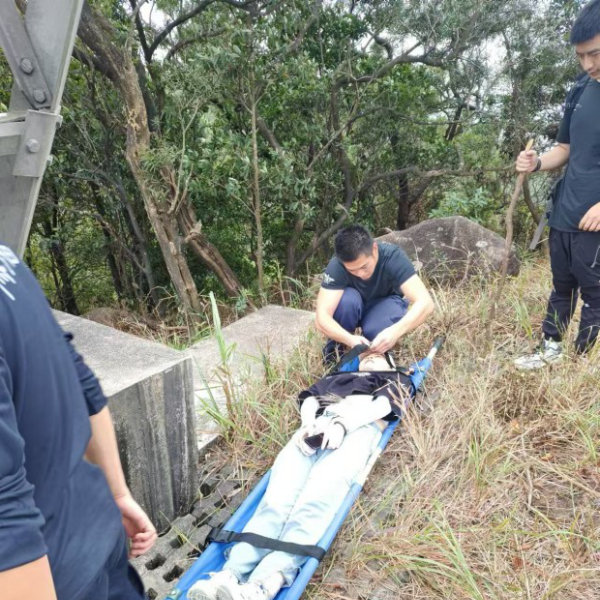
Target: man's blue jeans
[(372, 318), (302, 497)]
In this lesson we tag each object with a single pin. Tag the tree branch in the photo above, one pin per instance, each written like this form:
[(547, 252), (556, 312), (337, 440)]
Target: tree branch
[(385, 44), (166, 30), (427, 58), (180, 45), (135, 6), (269, 135), (428, 174), (199, 8), (93, 62), (349, 191), (314, 17)]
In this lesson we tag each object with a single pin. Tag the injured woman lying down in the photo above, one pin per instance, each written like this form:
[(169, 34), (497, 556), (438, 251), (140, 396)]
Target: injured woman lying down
[(343, 416)]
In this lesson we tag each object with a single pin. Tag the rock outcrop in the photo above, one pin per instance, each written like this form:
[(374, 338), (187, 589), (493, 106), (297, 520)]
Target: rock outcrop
[(452, 249)]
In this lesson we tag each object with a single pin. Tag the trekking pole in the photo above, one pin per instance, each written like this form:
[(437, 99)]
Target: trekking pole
[(507, 247)]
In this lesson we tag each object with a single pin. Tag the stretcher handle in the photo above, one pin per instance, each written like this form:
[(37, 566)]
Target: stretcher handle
[(439, 342)]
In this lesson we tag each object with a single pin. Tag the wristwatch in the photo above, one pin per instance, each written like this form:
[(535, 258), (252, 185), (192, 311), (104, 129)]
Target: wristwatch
[(538, 166)]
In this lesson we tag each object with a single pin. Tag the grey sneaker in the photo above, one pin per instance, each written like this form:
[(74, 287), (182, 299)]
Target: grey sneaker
[(208, 589), (244, 591), (548, 353)]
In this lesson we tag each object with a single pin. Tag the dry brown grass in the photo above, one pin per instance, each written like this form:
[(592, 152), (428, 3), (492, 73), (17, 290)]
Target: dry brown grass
[(495, 494)]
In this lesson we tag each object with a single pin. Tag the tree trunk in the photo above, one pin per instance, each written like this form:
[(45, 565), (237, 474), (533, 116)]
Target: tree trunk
[(403, 203), (292, 247), (140, 243), (98, 34), (118, 271), (208, 254), (256, 197), (60, 268)]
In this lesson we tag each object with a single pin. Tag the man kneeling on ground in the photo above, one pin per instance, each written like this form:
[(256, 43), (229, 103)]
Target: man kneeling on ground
[(370, 285), (308, 484)]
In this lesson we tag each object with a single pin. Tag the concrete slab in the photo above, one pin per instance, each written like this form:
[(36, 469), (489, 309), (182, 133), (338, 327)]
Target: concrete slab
[(150, 393), (272, 331)]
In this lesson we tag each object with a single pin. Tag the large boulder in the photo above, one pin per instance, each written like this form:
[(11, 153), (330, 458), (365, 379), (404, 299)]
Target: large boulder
[(452, 249)]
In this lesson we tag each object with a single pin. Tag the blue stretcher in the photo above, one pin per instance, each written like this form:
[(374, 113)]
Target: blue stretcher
[(213, 558)]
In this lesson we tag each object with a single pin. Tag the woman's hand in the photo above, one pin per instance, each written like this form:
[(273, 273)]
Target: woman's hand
[(333, 436), (301, 435)]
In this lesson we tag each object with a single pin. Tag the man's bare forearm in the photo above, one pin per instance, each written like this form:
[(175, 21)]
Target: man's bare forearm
[(26, 582), (104, 452), (333, 330), (556, 158), (416, 315)]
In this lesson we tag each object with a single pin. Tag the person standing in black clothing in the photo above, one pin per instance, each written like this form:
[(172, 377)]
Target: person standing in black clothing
[(575, 220), (65, 509)]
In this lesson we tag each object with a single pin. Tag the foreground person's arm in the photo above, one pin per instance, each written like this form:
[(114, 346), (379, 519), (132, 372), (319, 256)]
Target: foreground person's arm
[(24, 568), (33, 580), (103, 451)]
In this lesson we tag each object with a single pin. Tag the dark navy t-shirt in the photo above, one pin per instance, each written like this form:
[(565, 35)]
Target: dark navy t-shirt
[(581, 187), (51, 500), (392, 270)]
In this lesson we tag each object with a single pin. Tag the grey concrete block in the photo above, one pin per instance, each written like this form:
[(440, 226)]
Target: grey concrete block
[(272, 331), (150, 393)]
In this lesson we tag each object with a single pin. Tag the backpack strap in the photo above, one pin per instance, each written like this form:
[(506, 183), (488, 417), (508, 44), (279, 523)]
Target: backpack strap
[(575, 94)]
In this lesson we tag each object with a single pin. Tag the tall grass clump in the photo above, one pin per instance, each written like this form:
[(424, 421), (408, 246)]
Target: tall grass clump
[(492, 495)]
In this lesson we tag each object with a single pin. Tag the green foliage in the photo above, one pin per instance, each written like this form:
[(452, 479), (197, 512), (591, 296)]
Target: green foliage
[(337, 119), (475, 204)]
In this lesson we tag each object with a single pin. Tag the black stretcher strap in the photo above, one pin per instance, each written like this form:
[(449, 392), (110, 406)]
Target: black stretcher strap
[(222, 536), (359, 349), (351, 355)]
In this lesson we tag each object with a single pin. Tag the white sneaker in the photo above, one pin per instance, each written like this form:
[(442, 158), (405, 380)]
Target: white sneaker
[(549, 352), (208, 589), (244, 591)]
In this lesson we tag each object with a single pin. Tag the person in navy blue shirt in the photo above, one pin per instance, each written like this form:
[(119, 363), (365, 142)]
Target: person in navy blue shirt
[(575, 220), (370, 285), (65, 509)]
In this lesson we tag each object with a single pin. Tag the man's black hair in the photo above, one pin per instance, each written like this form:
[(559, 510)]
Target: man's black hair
[(587, 24), (352, 242)]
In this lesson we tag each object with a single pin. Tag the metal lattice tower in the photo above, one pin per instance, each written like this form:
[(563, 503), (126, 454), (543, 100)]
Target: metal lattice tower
[(38, 49)]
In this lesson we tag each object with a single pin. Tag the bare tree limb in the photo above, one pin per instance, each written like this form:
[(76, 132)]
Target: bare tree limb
[(428, 174), (314, 17), (269, 136), (93, 62), (166, 30), (428, 57), (199, 8), (181, 44), (136, 6), (384, 44)]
